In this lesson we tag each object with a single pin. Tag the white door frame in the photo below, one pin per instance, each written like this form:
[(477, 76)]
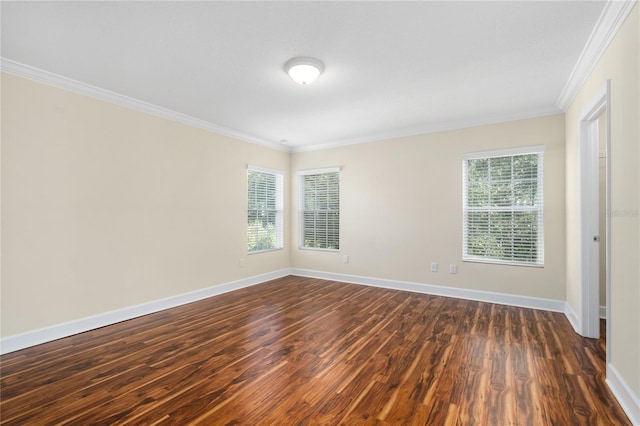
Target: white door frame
[(588, 165)]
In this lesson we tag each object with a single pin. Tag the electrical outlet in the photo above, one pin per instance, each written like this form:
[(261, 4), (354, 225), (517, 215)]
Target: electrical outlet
[(241, 263), (345, 259), (434, 267), (453, 268)]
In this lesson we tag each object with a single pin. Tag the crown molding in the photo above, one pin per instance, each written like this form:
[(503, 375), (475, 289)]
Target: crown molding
[(36, 74), (26, 71), (611, 19), (433, 128)]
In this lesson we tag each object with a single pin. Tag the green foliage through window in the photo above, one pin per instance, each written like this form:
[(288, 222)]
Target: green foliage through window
[(503, 209), (265, 211)]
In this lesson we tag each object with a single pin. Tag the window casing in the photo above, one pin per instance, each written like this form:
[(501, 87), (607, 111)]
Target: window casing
[(503, 207), (319, 209), (265, 224)]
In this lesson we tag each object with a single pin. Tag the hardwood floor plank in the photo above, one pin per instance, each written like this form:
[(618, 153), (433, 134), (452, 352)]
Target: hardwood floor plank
[(474, 411), (441, 413), (501, 403), (303, 351), (367, 404), (418, 386)]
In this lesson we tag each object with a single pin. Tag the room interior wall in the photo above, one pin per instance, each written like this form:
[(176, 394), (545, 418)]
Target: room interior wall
[(401, 209), (104, 207), (620, 64)]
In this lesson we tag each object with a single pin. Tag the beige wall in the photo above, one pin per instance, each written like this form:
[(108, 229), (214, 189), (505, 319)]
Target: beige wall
[(401, 209), (620, 64), (104, 207)]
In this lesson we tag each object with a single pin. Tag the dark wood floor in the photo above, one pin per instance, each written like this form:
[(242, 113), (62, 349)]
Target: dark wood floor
[(307, 351)]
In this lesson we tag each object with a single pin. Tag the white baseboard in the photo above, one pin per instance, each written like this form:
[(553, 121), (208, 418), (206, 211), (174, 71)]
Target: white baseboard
[(458, 293), (603, 312), (573, 318), (629, 401), (43, 335), (623, 393), (621, 390)]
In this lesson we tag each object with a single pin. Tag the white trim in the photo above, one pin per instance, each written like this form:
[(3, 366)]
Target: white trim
[(629, 401), (572, 317), (458, 293), (508, 152), (250, 253), (318, 171), (609, 322), (537, 207), (264, 170), (319, 249), (332, 187), (36, 74), (490, 261), (588, 268), (432, 128), (47, 334), (611, 19), (278, 210)]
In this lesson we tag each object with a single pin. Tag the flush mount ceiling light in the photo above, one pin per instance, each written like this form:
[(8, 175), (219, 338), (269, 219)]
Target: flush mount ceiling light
[(304, 70)]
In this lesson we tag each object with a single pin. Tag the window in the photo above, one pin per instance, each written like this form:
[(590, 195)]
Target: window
[(265, 206), (503, 207), (320, 209)]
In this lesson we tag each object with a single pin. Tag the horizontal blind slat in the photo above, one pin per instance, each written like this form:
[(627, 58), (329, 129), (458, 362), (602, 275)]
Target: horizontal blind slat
[(320, 210), (265, 216), (503, 208)]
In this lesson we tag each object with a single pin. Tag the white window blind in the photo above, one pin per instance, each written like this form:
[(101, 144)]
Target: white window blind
[(265, 209), (503, 207), (320, 209)]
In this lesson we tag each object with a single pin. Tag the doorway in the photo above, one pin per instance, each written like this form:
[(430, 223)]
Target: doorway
[(594, 171), (603, 168)]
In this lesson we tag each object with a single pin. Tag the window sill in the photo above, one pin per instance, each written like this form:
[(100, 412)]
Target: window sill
[(264, 251), (504, 263), (319, 249)]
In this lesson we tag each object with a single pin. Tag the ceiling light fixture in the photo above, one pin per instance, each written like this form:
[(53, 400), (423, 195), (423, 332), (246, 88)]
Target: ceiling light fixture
[(304, 70)]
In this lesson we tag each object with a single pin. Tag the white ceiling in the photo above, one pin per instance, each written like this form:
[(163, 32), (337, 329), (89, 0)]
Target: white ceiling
[(391, 68)]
